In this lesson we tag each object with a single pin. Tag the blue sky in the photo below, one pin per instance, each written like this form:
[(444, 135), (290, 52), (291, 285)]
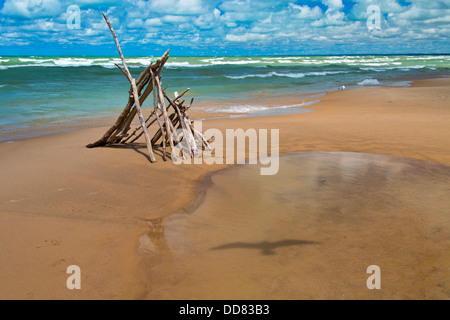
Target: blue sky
[(227, 27)]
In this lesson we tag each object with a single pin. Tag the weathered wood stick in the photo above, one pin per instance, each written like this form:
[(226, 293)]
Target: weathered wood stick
[(178, 97), (200, 136), (120, 69), (159, 133), (156, 106), (172, 102), (142, 120), (142, 99), (142, 132), (125, 126), (174, 105), (203, 139), (138, 128), (173, 121), (190, 140), (144, 82), (144, 96), (166, 118), (192, 144), (156, 137), (160, 63), (135, 92), (176, 124), (190, 105), (144, 73), (104, 140)]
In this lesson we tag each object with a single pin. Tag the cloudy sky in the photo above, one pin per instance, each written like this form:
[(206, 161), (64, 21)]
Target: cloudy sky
[(227, 27)]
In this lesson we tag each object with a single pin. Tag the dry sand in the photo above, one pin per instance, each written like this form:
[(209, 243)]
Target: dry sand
[(63, 204)]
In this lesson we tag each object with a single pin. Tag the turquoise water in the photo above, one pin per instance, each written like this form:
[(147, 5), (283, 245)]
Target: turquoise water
[(41, 92)]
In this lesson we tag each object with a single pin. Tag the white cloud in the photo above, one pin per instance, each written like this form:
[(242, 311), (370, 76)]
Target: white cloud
[(154, 22), (176, 19), (216, 13), (333, 5), (247, 37), (31, 8), (333, 15), (221, 23), (188, 7), (305, 12)]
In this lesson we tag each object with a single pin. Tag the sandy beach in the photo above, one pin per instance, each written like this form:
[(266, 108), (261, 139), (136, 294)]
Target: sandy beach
[(62, 204)]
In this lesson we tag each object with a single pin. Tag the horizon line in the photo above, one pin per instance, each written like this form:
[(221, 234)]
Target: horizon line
[(236, 55)]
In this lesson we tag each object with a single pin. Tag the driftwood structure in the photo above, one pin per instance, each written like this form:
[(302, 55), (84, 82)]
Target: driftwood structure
[(171, 117)]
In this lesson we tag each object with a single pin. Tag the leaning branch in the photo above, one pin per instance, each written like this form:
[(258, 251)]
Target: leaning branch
[(137, 104)]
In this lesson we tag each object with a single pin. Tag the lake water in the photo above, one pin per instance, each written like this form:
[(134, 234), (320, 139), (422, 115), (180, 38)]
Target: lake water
[(38, 94)]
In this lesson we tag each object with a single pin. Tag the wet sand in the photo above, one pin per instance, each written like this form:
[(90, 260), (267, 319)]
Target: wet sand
[(309, 232), (62, 204)]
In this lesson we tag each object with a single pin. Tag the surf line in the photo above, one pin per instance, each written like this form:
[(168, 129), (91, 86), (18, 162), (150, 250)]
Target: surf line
[(236, 148)]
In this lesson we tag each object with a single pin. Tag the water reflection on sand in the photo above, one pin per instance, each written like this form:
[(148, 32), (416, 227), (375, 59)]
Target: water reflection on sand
[(309, 232)]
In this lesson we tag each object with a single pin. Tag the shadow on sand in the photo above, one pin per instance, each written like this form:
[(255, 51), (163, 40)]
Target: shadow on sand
[(267, 248)]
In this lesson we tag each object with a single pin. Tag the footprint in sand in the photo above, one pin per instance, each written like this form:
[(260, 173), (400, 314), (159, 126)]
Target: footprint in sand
[(55, 242)]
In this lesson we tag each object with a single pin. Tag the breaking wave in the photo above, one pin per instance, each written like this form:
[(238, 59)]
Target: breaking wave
[(369, 82)]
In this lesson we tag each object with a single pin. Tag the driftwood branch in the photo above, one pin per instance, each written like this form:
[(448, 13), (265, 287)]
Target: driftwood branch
[(166, 118), (150, 81), (137, 104)]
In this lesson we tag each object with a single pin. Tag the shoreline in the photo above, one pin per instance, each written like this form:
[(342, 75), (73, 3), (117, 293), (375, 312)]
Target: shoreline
[(91, 206), (290, 103)]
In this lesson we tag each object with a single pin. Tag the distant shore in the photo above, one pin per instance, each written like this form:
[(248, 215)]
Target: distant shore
[(62, 204)]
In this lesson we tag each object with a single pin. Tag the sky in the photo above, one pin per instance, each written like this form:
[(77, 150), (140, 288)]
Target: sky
[(227, 27)]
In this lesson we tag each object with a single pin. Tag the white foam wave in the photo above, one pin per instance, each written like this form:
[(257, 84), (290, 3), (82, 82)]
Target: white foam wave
[(184, 65), (212, 59), (238, 62), (76, 62), (69, 62), (111, 66), (140, 61), (239, 109), (404, 68), (283, 58), (374, 64), (363, 62), (325, 73), (429, 58), (288, 75), (254, 109), (369, 82), (34, 60), (268, 75)]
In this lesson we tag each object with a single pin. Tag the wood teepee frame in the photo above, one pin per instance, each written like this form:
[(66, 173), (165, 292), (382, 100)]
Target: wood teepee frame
[(170, 117)]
